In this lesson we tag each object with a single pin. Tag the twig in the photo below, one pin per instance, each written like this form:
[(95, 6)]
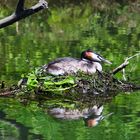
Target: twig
[(124, 76), (124, 64), (21, 13)]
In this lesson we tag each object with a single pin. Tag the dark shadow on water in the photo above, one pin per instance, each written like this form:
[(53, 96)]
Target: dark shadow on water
[(23, 131)]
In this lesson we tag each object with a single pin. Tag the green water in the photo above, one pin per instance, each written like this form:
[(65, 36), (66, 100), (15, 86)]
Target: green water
[(31, 122), (66, 29)]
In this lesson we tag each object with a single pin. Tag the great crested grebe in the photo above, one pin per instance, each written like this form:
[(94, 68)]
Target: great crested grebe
[(89, 63)]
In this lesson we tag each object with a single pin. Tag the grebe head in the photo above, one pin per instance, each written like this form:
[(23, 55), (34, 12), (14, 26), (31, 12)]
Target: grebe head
[(91, 56)]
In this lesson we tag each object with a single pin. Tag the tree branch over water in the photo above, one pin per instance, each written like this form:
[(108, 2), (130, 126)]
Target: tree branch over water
[(21, 13), (124, 64), (20, 6)]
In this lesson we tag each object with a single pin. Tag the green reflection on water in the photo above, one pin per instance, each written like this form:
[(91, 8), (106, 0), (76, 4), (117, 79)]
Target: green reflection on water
[(123, 124)]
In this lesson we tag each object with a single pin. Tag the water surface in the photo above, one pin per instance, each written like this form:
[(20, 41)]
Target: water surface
[(67, 30)]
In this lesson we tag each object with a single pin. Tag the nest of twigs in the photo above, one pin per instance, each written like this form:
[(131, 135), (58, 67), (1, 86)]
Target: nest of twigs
[(76, 86)]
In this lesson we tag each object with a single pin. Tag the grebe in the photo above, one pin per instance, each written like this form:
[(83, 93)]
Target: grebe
[(89, 63)]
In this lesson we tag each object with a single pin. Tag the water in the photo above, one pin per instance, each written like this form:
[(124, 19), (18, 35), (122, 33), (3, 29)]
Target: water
[(66, 31), (20, 121)]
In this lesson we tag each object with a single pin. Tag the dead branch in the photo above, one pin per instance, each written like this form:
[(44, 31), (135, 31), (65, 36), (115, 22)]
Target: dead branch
[(124, 64), (21, 13), (20, 6), (120, 67)]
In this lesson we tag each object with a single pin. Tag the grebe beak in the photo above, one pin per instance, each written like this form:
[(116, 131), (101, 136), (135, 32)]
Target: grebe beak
[(104, 60), (97, 58)]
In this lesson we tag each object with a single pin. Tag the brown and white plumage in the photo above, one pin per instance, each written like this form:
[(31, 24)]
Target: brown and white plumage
[(89, 63)]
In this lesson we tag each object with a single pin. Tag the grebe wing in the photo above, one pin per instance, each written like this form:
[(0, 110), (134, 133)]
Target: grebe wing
[(63, 60), (62, 66)]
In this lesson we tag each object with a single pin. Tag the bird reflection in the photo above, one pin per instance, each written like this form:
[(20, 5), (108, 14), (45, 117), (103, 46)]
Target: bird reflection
[(91, 116), (94, 116)]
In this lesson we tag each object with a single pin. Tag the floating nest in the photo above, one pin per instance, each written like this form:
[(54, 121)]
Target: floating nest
[(75, 88), (79, 84)]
